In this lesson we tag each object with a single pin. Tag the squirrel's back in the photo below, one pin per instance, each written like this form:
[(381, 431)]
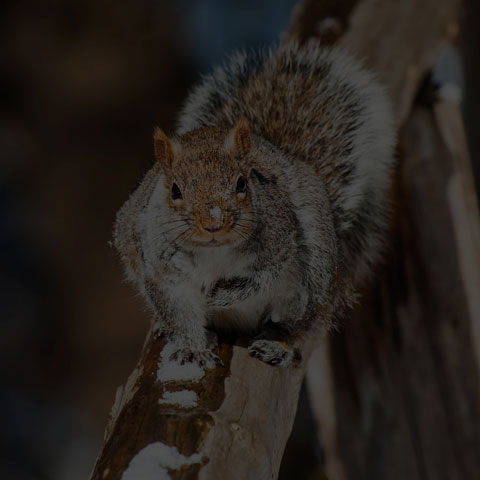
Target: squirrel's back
[(322, 107)]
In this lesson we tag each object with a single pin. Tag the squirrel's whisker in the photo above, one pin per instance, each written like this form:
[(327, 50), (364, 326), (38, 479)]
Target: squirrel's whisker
[(172, 243), (164, 232), (246, 228), (172, 221), (238, 232)]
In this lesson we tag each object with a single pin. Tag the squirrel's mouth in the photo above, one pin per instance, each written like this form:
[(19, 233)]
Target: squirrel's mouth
[(212, 235), (212, 241), (217, 235)]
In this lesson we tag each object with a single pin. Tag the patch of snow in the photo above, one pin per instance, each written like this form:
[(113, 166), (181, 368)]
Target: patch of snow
[(216, 213), (182, 398), (153, 462), (169, 370)]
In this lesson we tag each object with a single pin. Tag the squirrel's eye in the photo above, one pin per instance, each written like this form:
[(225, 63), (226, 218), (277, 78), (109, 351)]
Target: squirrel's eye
[(176, 193), (241, 185)]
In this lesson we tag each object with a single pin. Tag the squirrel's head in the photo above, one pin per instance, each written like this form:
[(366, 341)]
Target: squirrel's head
[(206, 174)]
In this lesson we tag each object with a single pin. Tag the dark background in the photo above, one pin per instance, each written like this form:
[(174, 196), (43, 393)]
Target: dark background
[(82, 85)]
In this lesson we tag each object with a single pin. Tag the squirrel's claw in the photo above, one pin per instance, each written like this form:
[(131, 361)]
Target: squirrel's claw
[(204, 358), (271, 352)]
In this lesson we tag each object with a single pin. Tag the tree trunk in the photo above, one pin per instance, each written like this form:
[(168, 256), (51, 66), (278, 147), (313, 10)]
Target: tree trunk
[(398, 386)]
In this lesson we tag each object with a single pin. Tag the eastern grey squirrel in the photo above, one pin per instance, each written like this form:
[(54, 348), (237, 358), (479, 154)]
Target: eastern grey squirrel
[(267, 206)]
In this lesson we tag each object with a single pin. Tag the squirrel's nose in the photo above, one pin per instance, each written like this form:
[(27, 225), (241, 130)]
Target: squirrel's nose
[(213, 220)]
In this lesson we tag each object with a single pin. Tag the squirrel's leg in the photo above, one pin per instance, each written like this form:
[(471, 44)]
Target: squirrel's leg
[(180, 314), (279, 340)]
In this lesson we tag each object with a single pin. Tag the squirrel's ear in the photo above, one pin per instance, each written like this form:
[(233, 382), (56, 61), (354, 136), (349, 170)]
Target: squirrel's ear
[(164, 148), (240, 140)]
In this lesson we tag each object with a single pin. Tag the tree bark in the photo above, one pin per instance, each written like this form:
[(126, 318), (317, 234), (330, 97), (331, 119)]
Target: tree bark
[(402, 363)]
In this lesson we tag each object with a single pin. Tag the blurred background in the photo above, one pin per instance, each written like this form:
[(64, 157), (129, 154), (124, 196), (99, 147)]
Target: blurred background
[(82, 85)]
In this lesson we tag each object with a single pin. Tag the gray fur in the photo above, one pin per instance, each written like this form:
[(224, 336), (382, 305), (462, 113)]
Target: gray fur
[(318, 180)]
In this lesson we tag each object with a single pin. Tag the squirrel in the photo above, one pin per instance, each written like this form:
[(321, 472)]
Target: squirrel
[(269, 204)]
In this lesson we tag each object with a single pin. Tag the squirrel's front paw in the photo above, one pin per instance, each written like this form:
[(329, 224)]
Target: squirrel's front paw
[(271, 352), (204, 358)]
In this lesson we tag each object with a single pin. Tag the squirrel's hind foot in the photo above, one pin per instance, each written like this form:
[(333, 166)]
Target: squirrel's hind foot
[(272, 352)]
